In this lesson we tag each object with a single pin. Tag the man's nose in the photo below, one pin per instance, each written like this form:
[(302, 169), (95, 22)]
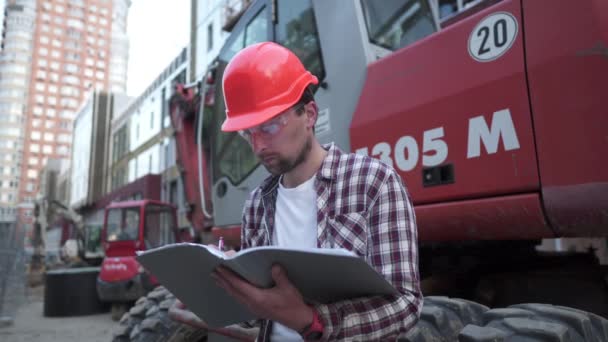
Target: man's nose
[(258, 143)]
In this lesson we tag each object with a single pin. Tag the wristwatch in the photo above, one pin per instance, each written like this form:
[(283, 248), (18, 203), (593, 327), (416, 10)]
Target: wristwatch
[(313, 331)]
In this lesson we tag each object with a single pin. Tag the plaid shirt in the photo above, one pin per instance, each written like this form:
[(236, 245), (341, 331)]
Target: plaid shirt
[(362, 206)]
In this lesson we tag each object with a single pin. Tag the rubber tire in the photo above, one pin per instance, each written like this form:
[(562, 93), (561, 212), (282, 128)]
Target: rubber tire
[(148, 320), (537, 322), (443, 318), (118, 310), (72, 292)]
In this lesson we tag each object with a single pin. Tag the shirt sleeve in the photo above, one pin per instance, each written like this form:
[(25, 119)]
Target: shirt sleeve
[(392, 251)]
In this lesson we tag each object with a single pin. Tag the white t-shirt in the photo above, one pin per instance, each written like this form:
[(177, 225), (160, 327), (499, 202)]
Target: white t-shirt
[(295, 227)]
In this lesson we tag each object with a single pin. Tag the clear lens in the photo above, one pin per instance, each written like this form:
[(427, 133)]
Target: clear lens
[(267, 129)]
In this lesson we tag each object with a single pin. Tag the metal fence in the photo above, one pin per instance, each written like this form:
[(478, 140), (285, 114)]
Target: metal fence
[(12, 269)]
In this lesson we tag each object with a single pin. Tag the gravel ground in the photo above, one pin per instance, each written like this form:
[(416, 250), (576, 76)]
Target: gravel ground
[(30, 325)]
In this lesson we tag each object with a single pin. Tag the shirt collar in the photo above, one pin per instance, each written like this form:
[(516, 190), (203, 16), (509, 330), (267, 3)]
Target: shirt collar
[(326, 172)]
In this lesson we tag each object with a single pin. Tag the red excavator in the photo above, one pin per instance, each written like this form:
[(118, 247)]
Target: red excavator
[(132, 226), (494, 114)]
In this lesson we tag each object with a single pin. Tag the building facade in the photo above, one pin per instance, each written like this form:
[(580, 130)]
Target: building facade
[(210, 24), (18, 37), (91, 151), (142, 137), (54, 54)]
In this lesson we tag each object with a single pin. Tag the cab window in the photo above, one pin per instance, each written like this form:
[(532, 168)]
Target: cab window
[(123, 224), (396, 24), (158, 230), (233, 154), (296, 29), (450, 8)]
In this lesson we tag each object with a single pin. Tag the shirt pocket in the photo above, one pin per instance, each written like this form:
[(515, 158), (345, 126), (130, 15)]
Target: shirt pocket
[(349, 231)]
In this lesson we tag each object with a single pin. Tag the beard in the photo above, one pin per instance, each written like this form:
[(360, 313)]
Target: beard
[(284, 165)]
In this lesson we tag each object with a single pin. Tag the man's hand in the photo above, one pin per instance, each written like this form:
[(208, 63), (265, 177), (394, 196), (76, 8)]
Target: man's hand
[(282, 303), (178, 312)]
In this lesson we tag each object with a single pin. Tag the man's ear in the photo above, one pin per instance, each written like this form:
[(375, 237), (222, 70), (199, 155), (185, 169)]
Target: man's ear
[(312, 111)]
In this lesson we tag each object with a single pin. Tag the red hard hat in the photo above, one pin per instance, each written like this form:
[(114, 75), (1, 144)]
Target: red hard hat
[(260, 82)]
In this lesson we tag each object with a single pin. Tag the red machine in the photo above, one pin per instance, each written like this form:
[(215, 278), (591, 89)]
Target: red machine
[(493, 113), (494, 118), (129, 227)]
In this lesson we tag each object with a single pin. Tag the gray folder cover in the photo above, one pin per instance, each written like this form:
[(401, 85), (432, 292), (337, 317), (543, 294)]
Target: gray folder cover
[(321, 275)]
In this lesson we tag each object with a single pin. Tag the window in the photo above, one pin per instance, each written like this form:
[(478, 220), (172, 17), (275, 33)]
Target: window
[(255, 32), (76, 23), (397, 24), (158, 221), (35, 148), (36, 135), (122, 224), (49, 137), (297, 30), (164, 104), (63, 150), (235, 158), (210, 37), (72, 68), (47, 149), (73, 33), (65, 138)]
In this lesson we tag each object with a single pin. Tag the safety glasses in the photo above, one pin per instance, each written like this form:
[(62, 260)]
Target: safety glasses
[(270, 128)]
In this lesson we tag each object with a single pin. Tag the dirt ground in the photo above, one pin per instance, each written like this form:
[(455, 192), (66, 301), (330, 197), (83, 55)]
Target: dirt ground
[(31, 325)]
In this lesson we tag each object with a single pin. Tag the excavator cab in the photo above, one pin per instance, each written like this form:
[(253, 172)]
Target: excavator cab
[(129, 227)]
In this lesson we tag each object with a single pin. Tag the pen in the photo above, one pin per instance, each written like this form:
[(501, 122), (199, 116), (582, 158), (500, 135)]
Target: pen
[(220, 245)]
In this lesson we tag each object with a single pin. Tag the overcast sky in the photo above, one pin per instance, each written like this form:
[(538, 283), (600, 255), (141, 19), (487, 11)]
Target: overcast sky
[(158, 30)]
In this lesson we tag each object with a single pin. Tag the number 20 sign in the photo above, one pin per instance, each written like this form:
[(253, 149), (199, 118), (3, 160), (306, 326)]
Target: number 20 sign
[(493, 36)]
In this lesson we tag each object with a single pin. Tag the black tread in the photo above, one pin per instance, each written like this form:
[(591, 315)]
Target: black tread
[(537, 322), (442, 318), (149, 320)]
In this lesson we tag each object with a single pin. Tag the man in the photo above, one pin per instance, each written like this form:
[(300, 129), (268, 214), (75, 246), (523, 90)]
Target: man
[(316, 196)]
